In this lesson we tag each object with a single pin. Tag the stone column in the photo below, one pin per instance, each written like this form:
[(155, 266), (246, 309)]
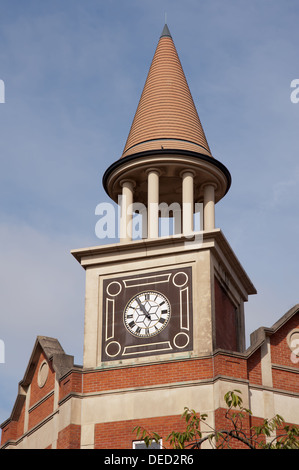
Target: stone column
[(126, 211), (153, 203), (209, 206), (187, 202)]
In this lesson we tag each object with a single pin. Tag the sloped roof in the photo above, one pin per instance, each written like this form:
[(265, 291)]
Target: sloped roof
[(53, 352), (166, 115), (258, 336)]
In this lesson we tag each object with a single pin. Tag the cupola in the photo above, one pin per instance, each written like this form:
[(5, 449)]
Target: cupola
[(166, 158)]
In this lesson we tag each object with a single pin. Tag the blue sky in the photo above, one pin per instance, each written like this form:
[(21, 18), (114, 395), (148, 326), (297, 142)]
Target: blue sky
[(73, 74)]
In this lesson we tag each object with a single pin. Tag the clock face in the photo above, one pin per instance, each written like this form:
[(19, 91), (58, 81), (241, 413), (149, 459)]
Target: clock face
[(147, 314)]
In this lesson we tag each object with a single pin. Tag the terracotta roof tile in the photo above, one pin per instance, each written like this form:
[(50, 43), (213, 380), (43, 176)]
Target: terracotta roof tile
[(166, 115)]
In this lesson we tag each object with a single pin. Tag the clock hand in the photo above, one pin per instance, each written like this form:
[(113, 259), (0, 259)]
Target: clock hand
[(143, 309)]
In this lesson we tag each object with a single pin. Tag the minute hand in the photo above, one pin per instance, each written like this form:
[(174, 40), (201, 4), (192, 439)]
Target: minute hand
[(142, 307)]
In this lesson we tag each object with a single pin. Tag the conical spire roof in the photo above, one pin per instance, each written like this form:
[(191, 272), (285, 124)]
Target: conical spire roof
[(166, 116)]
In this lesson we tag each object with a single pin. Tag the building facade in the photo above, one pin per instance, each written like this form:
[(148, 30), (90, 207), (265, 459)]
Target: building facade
[(164, 315)]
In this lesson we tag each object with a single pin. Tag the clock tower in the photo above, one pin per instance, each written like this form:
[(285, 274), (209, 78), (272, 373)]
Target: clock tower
[(164, 312), (179, 296)]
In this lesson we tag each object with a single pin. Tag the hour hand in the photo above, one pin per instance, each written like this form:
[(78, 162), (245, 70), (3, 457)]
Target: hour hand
[(142, 307)]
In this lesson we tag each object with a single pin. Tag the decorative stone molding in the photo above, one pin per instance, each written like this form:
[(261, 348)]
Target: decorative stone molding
[(293, 341), (43, 374)]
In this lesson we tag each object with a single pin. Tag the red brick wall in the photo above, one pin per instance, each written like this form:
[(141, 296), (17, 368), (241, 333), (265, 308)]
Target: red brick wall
[(37, 393), (230, 366), (254, 421), (147, 375), (254, 368), (222, 423), (225, 317), (15, 429), (119, 434), (44, 409), (20, 426), (281, 356), (69, 437), (285, 380), (71, 383), (280, 351), (9, 432)]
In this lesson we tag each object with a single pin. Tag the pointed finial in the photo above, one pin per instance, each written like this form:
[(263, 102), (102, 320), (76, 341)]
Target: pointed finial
[(165, 32)]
